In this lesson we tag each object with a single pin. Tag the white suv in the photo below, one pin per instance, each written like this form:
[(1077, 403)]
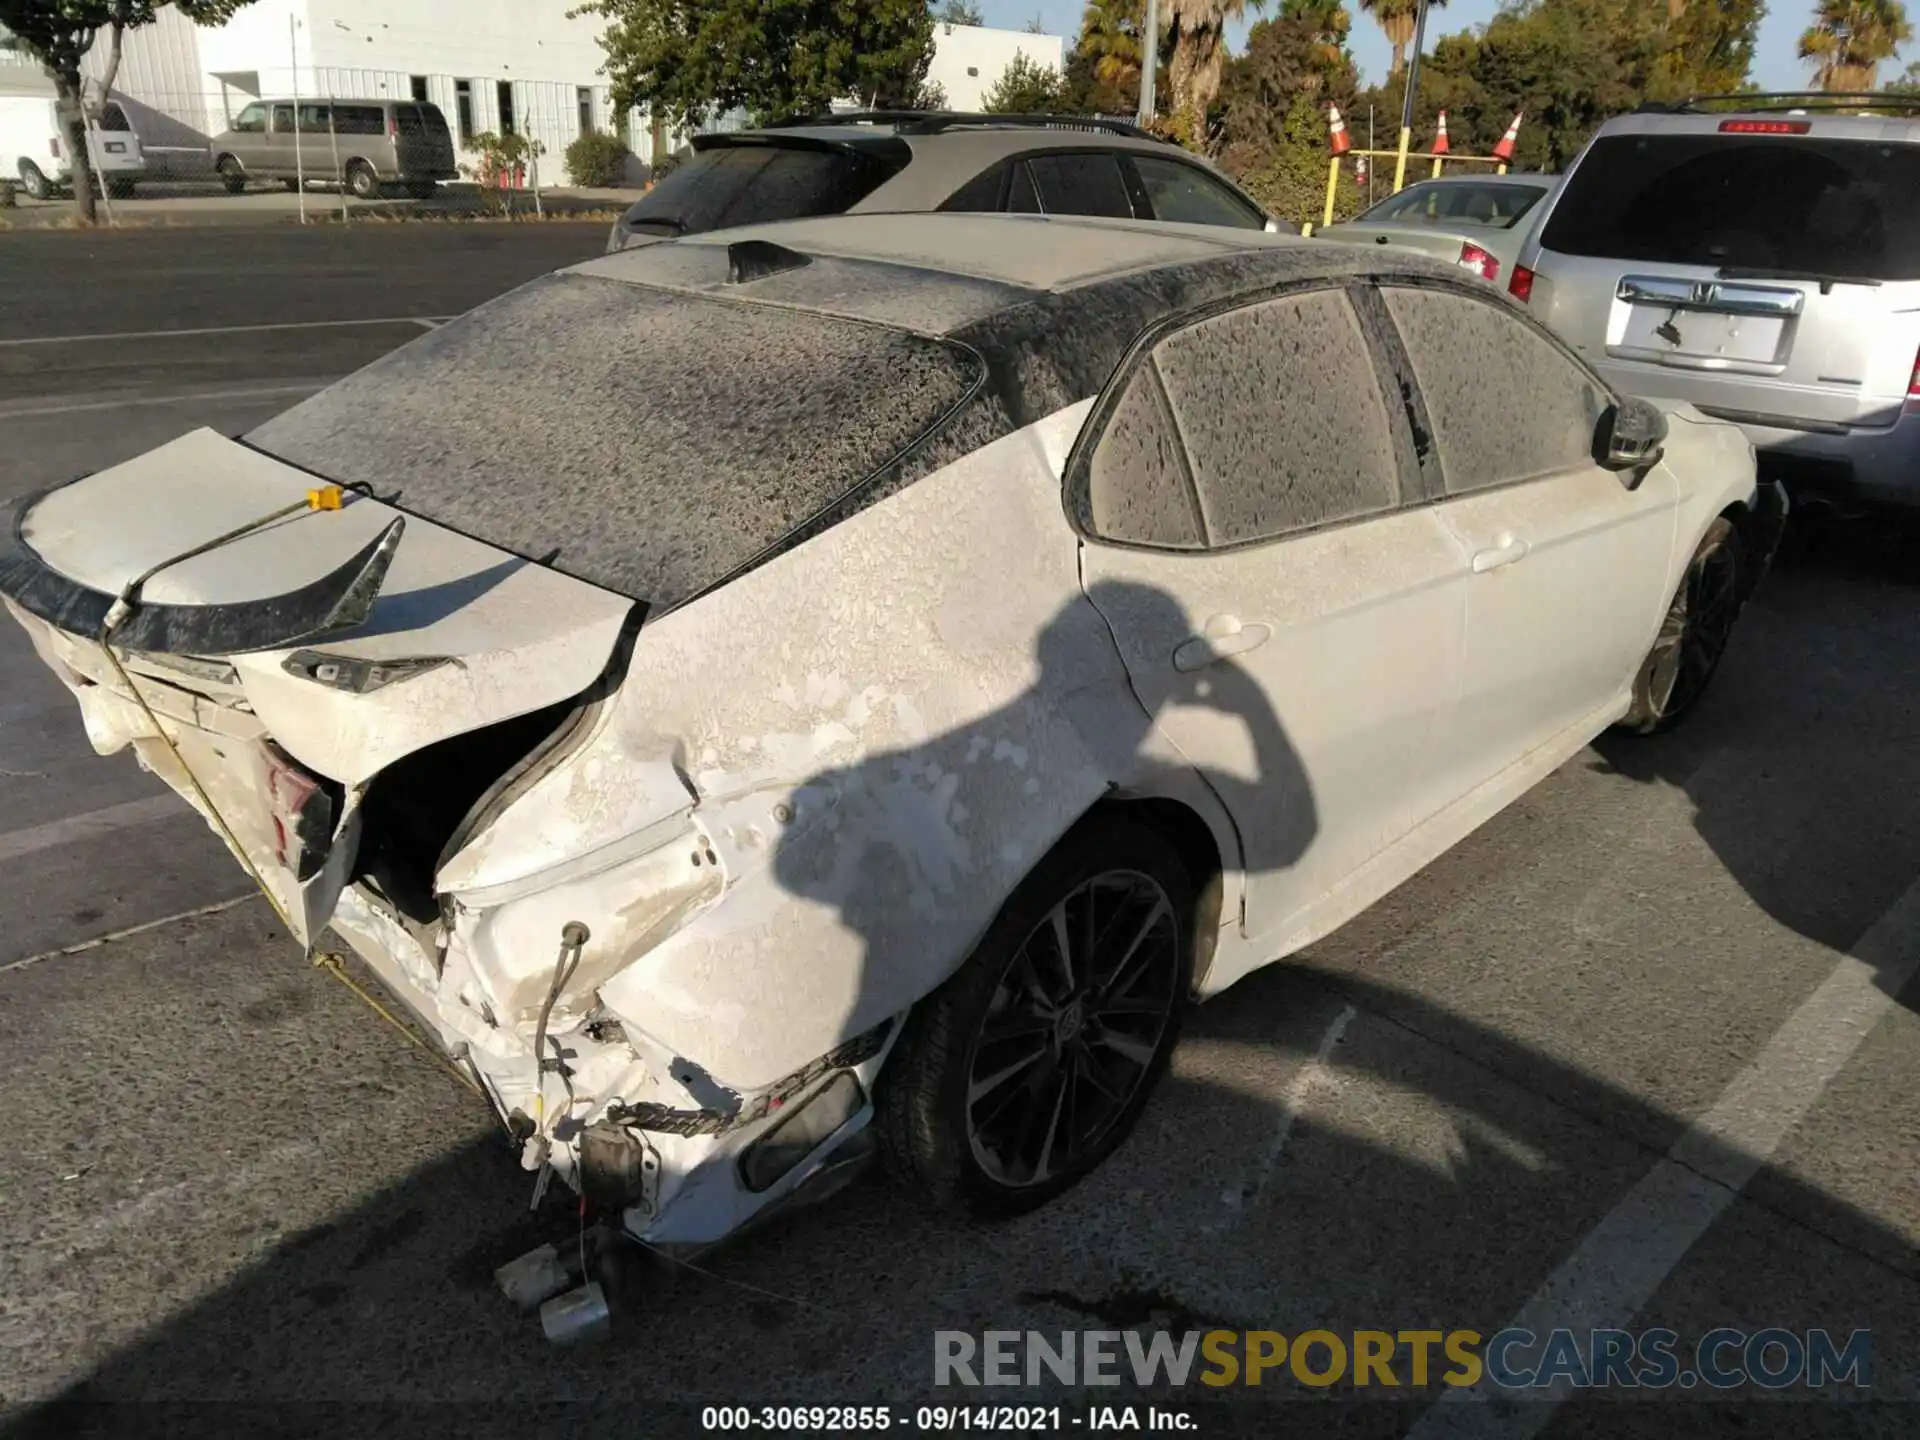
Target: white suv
[(1761, 262)]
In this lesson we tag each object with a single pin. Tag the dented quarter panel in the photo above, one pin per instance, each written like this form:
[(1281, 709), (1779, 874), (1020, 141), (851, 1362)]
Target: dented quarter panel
[(879, 741)]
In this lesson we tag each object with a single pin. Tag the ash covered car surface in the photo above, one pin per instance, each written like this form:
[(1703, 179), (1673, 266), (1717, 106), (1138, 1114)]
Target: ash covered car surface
[(876, 671)]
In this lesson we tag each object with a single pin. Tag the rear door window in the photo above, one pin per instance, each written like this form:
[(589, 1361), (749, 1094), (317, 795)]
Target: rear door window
[(1283, 417), (283, 118), (359, 120), (1506, 403), (656, 441), (1847, 208), (1081, 185), (752, 184)]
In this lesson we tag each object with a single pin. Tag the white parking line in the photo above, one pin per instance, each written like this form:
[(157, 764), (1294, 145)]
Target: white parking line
[(93, 823), (267, 392), (1619, 1266), (430, 321), (214, 909)]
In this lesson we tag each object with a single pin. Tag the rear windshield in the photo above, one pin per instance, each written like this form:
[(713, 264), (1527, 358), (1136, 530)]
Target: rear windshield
[(1848, 208), (1490, 206), (647, 441), (749, 184)]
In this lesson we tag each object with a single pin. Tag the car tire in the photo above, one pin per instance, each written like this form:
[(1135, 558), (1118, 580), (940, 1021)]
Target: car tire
[(231, 175), (1018, 1076), (120, 189), (1693, 633), (362, 182), (36, 184)]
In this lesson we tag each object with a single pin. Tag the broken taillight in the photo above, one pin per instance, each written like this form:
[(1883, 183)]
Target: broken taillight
[(1520, 284), (1473, 258), (357, 676), (302, 812)]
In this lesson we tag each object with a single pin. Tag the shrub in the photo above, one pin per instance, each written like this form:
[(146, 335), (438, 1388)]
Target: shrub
[(597, 159)]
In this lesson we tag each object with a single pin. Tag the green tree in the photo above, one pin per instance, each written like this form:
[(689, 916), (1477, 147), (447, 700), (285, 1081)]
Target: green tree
[(960, 12), (1025, 87), (1849, 39), (60, 34), (1271, 119), (691, 59), (1396, 19), (1103, 73)]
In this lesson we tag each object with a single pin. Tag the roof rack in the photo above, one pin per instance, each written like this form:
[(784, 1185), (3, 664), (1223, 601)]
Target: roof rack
[(1776, 100), (932, 122)]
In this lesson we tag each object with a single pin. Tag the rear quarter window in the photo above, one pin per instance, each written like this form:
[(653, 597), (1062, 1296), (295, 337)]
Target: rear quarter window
[(646, 441), (1835, 207)]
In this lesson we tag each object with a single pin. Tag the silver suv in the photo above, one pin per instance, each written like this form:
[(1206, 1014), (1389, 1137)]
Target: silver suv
[(1762, 262), (890, 162)]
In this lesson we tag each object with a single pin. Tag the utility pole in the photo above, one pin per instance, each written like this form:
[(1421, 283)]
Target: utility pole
[(1149, 63), (1406, 103), (299, 160)]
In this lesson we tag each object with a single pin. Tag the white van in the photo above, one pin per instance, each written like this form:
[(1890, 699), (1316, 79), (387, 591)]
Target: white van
[(33, 148)]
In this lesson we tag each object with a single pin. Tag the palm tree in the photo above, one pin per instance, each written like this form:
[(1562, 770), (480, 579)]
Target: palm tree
[(1110, 38), (1396, 19), (1330, 24), (1849, 38), (1200, 53)]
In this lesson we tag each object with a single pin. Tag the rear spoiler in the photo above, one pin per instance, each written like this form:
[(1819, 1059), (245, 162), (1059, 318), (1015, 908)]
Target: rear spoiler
[(338, 600)]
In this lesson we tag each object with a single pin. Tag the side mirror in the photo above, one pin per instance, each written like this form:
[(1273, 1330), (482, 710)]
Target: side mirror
[(1630, 437)]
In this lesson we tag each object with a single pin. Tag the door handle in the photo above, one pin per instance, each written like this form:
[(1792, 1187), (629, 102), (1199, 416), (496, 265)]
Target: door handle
[(1223, 638), (1507, 551)]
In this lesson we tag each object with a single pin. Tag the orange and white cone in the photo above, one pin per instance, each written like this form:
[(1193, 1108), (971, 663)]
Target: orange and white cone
[(1440, 146), (1504, 150), (1337, 131), (1360, 170)]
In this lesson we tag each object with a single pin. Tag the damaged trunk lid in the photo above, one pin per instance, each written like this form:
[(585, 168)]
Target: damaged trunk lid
[(289, 665)]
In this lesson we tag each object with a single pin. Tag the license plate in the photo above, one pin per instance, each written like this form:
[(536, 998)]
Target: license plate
[(116, 147), (1702, 337)]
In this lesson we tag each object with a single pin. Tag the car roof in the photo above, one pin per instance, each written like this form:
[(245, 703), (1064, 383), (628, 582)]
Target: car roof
[(1820, 123), (936, 273)]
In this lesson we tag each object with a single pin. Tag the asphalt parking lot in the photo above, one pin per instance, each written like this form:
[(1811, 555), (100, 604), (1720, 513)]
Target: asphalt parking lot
[(1640, 1052)]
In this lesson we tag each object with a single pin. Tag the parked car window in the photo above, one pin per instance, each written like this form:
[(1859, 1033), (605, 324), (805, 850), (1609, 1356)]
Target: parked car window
[(1137, 486), (1505, 402), (283, 117), (982, 193), (1022, 198), (1285, 426), (1833, 207), (359, 120), (1493, 205), (1186, 195), (750, 184), (113, 118), (251, 121), (421, 120), (316, 117), (677, 437), (1081, 185)]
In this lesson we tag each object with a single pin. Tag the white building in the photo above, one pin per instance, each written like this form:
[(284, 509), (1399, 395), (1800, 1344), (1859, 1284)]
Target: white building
[(968, 59), (490, 65)]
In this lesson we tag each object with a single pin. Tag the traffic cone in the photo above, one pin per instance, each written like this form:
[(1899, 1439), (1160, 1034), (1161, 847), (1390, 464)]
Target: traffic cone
[(1360, 170), (1440, 140), (1337, 131), (1504, 150)]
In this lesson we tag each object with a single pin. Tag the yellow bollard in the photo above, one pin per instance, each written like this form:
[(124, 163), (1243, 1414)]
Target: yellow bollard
[(1333, 185), (1437, 163), (1400, 165)]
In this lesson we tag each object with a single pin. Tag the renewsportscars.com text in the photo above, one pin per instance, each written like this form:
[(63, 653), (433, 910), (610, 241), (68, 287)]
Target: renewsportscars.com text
[(1773, 1359)]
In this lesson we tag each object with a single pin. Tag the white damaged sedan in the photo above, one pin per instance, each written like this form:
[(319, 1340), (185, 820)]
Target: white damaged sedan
[(858, 679)]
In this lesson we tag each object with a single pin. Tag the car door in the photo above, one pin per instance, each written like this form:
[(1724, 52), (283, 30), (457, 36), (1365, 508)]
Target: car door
[(1569, 560), (1255, 474)]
